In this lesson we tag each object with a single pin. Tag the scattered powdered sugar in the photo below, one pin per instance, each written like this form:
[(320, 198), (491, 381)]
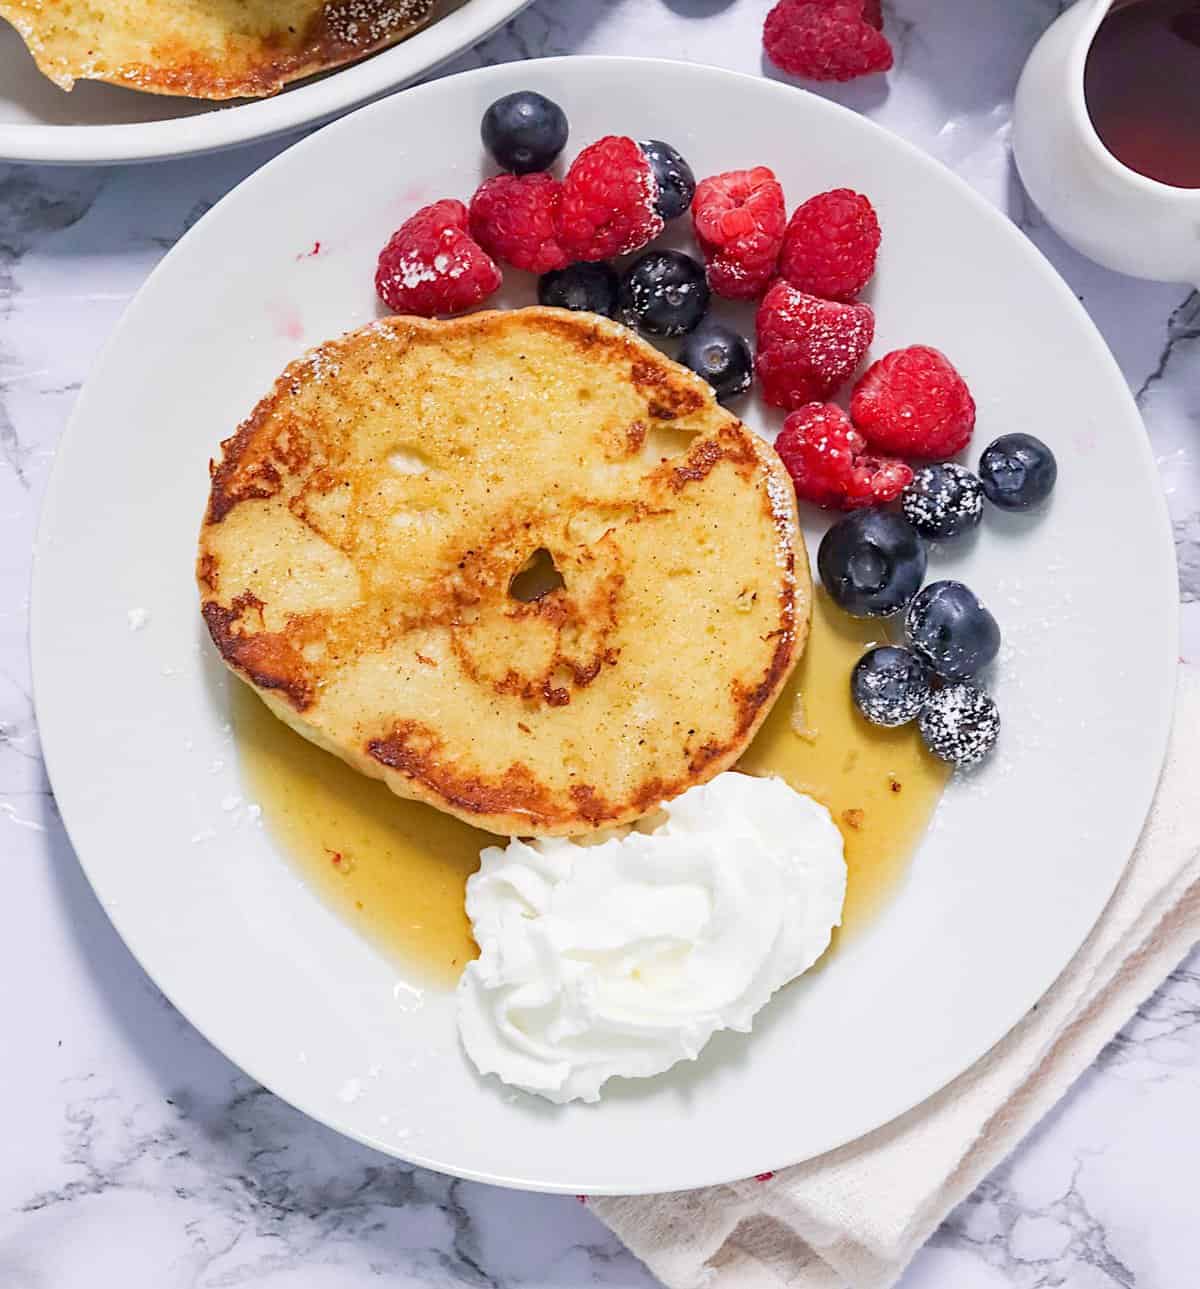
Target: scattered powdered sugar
[(364, 23), (137, 619), (648, 199), (960, 724), (355, 1088), (943, 499), (781, 500), (411, 271), (205, 834), (350, 1091), (316, 366), (230, 802), (830, 351)]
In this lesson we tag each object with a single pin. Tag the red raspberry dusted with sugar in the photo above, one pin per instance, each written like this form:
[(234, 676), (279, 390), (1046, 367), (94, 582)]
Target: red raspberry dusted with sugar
[(914, 403), (739, 218), (827, 40), (515, 219), (608, 201), (830, 245), (829, 462), (807, 347), (431, 265)]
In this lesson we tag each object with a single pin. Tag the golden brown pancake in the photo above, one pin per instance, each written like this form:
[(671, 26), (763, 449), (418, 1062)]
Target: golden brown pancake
[(519, 565), (214, 49)]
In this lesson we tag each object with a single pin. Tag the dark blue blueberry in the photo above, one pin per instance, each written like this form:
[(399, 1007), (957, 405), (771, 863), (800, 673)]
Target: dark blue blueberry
[(889, 685), (721, 356), (664, 293), (676, 182), (524, 131), (1018, 471), (951, 630), (960, 724), (943, 500), (591, 287), (872, 563)]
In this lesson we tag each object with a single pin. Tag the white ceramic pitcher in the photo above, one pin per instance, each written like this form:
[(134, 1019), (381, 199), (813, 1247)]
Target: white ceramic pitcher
[(1106, 210)]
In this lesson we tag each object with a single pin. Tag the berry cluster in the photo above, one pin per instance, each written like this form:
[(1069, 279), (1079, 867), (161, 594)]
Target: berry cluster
[(812, 331), (873, 562), (606, 205)]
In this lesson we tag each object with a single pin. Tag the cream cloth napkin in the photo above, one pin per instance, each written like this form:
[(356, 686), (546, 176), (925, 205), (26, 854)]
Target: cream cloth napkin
[(852, 1219)]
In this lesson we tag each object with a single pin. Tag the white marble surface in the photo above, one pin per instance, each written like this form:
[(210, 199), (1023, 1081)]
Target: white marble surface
[(135, 1155)]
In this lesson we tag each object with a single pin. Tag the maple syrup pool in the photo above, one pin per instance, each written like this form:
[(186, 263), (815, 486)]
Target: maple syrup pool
[(396, 870)]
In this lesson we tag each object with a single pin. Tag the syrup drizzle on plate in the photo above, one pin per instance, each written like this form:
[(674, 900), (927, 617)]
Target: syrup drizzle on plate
[(396, 870)]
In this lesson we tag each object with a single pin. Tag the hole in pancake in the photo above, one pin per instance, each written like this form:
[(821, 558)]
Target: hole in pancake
[(406, 459), (664, 441), (537, 578)]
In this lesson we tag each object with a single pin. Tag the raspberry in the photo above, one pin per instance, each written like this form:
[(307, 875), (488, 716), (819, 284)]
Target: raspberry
[(808, 347), (913, 402), (827, 40), (739, 219), (515, 218), (828, 461), (830, 245), (430, 264), (608, 201)]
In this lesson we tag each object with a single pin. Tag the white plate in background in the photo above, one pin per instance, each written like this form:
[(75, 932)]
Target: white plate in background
[(1023, 855), (98, 124)]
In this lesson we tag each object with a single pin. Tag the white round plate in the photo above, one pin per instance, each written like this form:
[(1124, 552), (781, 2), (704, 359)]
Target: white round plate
[(97, 124), (1023, 854)]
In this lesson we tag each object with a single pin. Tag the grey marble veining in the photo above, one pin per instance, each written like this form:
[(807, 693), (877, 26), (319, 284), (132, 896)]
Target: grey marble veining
[(135, 1154)]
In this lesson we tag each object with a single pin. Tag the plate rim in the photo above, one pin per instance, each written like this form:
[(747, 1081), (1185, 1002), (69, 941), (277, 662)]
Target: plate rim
[(311, 103), (1141, 790)]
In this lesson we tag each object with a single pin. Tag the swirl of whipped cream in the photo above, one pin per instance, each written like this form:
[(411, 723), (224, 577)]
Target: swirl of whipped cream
[(623, 956)]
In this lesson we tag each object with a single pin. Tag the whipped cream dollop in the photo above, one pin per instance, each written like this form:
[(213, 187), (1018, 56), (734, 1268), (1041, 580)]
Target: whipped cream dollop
[(622, 956)]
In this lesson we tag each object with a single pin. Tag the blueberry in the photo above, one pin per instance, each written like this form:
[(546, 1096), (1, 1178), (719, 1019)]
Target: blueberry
[(889, 685), (871, 563), (676, 182), (951, 630), (524, 131), (960, 724), (1018, 471), (591, 287), (943, 500), (721, 356), (665, 293)]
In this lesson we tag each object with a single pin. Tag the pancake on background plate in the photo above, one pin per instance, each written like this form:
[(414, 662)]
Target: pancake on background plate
[(519, 565), (212, 49)]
